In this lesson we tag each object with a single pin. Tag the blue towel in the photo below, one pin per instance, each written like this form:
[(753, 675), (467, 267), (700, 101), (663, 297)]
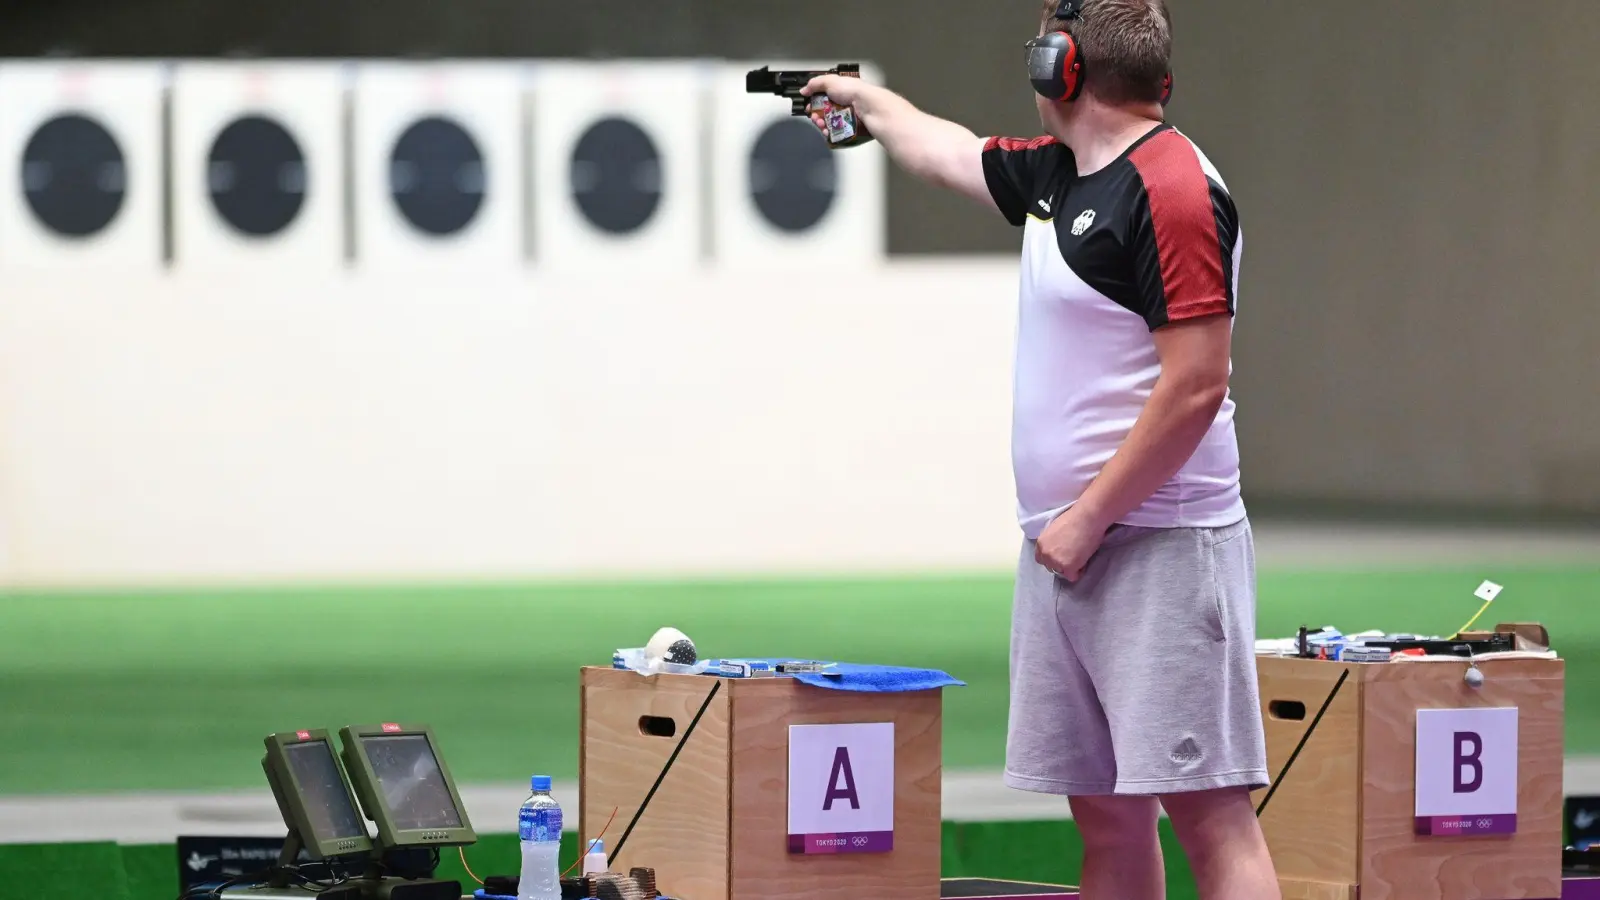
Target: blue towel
[(877, 679), (864, 679)]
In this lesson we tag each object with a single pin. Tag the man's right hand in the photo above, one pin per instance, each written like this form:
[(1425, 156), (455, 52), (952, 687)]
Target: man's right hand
[(843, 90)]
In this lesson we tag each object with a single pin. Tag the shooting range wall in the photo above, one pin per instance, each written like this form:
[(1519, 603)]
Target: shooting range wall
[(1419, 302), (379, 425)]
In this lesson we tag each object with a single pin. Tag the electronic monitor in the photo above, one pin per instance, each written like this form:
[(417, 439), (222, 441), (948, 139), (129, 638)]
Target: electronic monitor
[(405, 786), (316, 801)]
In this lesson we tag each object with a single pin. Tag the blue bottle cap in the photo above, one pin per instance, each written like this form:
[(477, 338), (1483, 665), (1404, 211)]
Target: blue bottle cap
[(597, 846), (541, 782)]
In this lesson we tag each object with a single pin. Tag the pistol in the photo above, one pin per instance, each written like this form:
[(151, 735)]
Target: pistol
[(844, 128)]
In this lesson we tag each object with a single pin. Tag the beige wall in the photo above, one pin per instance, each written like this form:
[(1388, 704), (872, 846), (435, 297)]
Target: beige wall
[(167, 428)]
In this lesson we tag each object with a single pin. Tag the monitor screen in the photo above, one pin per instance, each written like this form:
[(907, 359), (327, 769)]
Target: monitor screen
[(411, 782), (323, 791)]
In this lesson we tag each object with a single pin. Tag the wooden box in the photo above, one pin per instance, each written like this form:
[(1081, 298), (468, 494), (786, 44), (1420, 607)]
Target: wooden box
[(717, 827), (1341, 823)]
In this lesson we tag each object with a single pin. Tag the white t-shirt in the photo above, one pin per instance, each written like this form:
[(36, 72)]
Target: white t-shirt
[(1108, 258)]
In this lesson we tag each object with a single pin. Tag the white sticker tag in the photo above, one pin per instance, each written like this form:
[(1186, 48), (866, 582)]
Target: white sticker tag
[(1487, 591)]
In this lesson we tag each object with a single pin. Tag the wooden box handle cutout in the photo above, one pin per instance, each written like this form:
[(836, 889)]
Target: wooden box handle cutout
[(1287, 710), (657, 726)]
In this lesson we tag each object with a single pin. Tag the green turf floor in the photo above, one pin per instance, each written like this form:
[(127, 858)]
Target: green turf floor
[(174, 690)]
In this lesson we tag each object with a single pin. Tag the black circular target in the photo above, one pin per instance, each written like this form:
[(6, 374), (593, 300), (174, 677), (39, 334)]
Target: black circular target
[(436, 176), (74, 175), (616, 176), (256, 176), (793, 175)]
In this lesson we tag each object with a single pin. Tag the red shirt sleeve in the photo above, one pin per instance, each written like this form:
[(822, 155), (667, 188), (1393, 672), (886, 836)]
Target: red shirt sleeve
[(1184, 234)]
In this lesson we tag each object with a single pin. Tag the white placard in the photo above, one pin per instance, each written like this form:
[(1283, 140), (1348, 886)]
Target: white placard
[(618, 163), (80, 164), (439, 169), (782, 198), (841, 788), (258, 164), (1466, 771)]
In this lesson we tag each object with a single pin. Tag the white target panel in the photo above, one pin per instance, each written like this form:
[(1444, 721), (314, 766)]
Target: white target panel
[(618, 163), (781, 196), (439, 165), (80, 164), (258, 164)]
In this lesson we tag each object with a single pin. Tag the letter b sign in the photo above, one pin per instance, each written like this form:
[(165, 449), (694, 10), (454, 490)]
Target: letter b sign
[(1466, 769)]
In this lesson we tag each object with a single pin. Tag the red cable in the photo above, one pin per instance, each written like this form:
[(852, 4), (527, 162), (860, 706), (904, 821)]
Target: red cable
[(583, 849)]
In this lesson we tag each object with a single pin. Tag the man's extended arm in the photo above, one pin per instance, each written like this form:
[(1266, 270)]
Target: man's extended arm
[(935, 150)]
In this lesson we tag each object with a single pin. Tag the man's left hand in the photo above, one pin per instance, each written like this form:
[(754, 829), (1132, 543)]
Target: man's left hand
[(1068, 542)]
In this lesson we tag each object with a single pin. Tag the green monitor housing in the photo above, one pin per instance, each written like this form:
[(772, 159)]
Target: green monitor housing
[(405, 786), (314, 797)]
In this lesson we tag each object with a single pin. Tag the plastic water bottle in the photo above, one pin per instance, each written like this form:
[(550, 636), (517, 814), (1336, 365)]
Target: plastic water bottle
[(539, 825)]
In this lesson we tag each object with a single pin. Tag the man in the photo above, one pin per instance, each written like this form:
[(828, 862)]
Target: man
[(1132, 658)]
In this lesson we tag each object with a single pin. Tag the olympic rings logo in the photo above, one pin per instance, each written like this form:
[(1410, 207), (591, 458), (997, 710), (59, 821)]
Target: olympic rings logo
[(859, 841), (1485, 824)]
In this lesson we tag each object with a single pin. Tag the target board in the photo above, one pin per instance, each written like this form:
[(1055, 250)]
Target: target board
[(258, 164), (438, 150), (80, 164), (618, 165)]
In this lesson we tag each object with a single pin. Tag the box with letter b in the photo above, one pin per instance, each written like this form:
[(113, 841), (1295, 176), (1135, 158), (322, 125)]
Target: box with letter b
[(1410, 782), (782, 791)]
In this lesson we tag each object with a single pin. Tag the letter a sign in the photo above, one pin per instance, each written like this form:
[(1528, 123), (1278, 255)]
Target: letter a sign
[(1466, 771), (841, 788)]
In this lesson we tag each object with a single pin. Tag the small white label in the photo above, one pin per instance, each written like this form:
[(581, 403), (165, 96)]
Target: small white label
[(1487, 591)]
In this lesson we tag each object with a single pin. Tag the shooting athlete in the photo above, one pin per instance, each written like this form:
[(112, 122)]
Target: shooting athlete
[(1133, 677)]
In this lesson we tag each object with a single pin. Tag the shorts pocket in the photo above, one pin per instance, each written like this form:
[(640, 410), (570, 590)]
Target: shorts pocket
[(1213, 611), (1226, 559)]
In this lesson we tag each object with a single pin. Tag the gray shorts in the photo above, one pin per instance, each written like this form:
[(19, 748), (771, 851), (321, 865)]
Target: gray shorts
[(1140, 678)]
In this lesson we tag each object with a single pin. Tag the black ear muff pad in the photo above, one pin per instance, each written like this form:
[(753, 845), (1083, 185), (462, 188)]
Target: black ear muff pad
[(1054, 67)]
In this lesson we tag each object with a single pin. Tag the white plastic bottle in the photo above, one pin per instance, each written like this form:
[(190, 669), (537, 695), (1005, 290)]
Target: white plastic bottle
[(539, 825), (594, 862)]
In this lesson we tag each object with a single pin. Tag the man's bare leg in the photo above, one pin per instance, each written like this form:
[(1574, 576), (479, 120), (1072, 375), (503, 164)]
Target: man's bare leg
[(1222, 838), (1121, 848)]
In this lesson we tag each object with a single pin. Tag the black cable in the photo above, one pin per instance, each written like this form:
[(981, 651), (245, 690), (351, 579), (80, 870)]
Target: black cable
[(716, 685), (195, 893), (295, 873), (1303, 738)]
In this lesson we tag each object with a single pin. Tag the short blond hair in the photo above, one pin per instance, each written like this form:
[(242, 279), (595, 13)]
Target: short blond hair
[(1126, 47)]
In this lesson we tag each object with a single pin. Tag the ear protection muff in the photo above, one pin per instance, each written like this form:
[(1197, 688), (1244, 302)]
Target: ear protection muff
[(1055, 65)]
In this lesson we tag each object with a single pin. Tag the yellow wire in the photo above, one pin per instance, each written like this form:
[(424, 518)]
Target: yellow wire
[(1481, 611)]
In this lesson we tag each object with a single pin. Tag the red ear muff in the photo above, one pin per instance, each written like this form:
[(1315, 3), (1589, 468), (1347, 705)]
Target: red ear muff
[(1166, 89), (1055, 67)]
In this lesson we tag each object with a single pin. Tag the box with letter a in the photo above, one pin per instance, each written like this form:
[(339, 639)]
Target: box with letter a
[(780, 790)]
